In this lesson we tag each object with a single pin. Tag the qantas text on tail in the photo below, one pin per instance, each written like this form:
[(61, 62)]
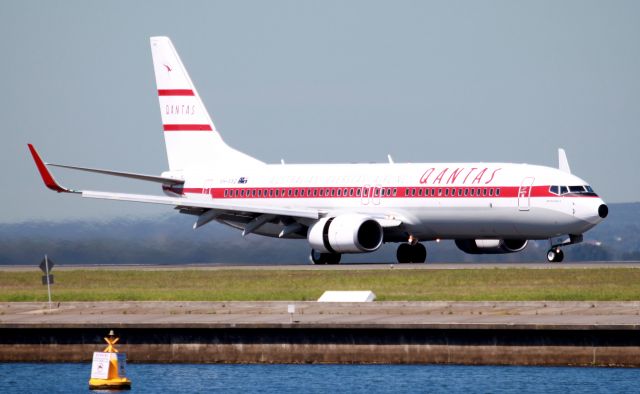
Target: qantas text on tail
[(351, 208)]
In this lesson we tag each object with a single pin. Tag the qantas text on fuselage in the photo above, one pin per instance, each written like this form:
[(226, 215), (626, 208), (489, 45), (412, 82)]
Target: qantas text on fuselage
[(350, 208)]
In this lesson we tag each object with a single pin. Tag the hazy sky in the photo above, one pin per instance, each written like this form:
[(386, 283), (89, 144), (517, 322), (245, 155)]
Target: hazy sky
[(321, 81)]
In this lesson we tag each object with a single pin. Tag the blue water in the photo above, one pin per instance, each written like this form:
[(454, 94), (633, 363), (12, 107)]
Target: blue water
[(190, 378)]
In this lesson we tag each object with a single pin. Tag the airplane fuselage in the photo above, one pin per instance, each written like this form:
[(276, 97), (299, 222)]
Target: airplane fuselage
[(434, 200)]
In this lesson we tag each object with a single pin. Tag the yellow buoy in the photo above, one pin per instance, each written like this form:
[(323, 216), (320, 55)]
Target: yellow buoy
[(108, 367)]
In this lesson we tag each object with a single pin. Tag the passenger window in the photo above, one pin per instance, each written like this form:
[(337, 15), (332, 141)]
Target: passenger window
[(491, 192), (406, 192), (290, 192), (439, 192), (345, 192), (497, 192), (466, 192), (446, 192), (388, 191), (473, 192), (226, 192), (276, 192), (426, 192), (351, 192), (395, 191), (460, 192), (339, 192), (382, 192), (484, 192), (453, 192), (358, 191), (333, 192), (420, 192), (321, 192)]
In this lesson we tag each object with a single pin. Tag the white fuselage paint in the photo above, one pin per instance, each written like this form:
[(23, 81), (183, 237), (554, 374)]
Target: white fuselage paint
[(513, 214)]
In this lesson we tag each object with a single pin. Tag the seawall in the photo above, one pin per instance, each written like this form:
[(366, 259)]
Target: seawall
[(502, 333)]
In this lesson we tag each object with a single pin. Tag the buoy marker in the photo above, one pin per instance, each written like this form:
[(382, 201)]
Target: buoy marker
[(108, 367)]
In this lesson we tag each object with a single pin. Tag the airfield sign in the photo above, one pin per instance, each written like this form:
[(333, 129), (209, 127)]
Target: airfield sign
[(46, 266)]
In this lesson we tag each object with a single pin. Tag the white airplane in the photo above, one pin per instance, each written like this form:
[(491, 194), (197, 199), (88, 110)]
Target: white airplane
[(351, 208)]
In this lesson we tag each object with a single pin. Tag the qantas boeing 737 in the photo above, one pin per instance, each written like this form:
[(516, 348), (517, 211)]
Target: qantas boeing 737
[(351, 208)]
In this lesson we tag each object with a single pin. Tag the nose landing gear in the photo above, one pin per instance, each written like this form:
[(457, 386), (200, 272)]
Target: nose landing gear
[(555, 255)]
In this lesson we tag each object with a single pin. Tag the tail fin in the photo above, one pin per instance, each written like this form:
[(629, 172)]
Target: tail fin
[(191, 139)]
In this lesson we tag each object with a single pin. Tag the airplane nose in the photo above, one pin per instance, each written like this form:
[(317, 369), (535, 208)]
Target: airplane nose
[(603, 211)]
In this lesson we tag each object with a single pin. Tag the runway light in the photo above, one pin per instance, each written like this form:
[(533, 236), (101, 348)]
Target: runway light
[(438, 240)]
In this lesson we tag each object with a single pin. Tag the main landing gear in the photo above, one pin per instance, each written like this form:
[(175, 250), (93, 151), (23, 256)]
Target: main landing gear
[(408, 253), (324, 258), (555, 255)]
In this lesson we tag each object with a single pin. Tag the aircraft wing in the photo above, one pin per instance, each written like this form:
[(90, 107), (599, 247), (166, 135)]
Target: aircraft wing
[(183, 202), (186, 205), (179, 202)]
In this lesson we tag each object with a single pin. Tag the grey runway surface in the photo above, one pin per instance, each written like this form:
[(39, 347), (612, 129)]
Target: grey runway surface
[(345, 267), (387, 314)]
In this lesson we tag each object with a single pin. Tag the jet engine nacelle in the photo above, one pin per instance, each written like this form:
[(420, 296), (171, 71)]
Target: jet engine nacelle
[(349, 233), (491, 246)]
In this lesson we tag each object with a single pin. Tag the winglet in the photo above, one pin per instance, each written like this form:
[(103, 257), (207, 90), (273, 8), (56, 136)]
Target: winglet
[(48, 179), (563, 163)]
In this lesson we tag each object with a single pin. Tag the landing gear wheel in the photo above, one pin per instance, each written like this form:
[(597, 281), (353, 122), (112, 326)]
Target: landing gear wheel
[(403, 254), (555, 255), (324, 258), (419, 254), (408, 253)]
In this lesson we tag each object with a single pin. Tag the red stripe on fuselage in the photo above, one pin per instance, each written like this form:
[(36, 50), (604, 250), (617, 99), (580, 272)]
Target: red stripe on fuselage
[(352, 192), (187, 127), (175, 92)]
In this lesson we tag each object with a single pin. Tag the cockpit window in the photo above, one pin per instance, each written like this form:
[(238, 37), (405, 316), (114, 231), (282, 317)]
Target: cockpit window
[(576, 189), (580, 189)]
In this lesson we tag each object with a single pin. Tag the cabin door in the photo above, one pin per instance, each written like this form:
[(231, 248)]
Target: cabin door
[(524, 194)]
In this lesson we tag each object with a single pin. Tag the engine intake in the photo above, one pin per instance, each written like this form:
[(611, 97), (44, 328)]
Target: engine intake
[(350, 233), (491, 246)]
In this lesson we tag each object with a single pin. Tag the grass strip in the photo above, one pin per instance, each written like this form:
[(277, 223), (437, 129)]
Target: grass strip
[(499, 284)]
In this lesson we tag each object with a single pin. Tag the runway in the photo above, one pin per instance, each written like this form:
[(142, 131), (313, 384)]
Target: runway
[(339, 267)]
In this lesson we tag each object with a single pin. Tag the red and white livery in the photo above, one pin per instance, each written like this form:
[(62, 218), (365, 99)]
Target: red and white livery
[(351, 208)]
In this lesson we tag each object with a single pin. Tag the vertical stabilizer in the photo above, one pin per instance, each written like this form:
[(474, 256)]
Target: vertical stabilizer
[(192, 141), (563, 163)]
